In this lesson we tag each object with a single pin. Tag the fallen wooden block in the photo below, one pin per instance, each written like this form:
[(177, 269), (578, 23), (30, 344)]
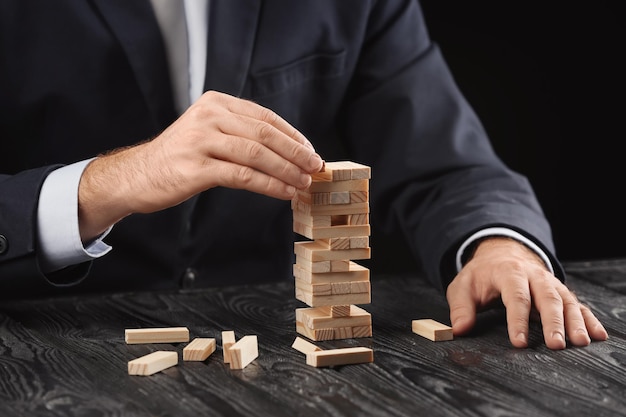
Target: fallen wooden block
[(228, 339), (304, 346), (157, 335), (199, 349), (243, 352), (432, 330), (152, 363), (342, 356)]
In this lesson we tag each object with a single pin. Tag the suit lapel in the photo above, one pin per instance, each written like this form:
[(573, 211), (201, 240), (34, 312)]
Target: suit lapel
[(231, 32), (134, 25)]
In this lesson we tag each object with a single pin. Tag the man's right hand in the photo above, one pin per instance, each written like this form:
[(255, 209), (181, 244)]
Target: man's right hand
[(220, 140)]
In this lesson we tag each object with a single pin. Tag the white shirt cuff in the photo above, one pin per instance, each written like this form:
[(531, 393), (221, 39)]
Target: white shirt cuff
[(57, 219), (501, 231)]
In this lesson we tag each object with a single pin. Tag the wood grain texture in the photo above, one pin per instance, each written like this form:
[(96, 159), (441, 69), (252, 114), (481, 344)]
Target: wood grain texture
[(67, 357)]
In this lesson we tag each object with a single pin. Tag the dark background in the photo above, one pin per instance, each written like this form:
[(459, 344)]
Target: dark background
[(547, 81)]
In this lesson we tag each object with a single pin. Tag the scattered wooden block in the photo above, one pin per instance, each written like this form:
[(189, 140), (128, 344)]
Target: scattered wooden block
[(432, 330), (304, 346), (199, 349), (152, 363), (157, 335), (342, 356), (243, 352), (228, 340)]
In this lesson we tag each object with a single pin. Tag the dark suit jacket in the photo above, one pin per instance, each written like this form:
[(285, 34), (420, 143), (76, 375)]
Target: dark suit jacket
[(361, 79)]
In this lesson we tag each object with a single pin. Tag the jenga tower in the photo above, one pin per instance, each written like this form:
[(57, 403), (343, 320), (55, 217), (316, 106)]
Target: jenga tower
[(334, 213)]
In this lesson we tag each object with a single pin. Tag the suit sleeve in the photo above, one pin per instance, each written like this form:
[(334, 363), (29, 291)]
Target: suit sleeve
[(435, 177), (19, 265)]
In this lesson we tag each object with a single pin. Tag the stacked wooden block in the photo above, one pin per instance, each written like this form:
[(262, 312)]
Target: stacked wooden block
[(334, 213)]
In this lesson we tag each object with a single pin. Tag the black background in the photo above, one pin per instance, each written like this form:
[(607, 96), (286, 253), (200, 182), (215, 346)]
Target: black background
[(546, 79)]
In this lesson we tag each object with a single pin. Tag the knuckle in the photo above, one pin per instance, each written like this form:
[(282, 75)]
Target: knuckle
[(244, 175), (253, 150), (268, 116), (264, 131)]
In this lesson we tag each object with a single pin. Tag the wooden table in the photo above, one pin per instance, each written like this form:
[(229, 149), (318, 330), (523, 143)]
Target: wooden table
[(67, 357)]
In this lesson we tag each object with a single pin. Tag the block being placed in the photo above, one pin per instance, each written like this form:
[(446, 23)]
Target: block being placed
[(199, 349), (157, 335), (432, 330), (152, 363)]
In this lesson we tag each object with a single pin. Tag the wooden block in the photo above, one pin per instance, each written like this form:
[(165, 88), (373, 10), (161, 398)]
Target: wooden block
[(330, 209), (199, 349), (344, 170), (340, 197), (337, 243), (362, 331), (157, 335), (243, 352), (315, 289), (359, 242), (313, 221), (432, 330), (321, 185), (342, 265), (312, 267), (152, 363), (331, 300), (317, 251), (354, 273), (315, 334), (342, 356), (359, 219), (325, 232), (359, 196), (338, 288), (342, 332), (304, 346), (340, 311), (228, 340), (322, 318)]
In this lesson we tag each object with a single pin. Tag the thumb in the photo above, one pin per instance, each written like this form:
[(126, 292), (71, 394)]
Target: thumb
[(462, 308)]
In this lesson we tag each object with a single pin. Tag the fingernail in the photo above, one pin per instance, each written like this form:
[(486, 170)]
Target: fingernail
[(558, 336), (521, 337), (315, 162)]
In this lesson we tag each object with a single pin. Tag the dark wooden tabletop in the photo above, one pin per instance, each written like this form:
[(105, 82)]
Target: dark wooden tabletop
[(68, 357)]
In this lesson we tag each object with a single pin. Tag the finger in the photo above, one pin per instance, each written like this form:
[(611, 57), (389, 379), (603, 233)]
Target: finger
[(243, 177), (593, 325), (462, 306), (575, 328), (244, 152), (273, 139), (257, 112), (516, 297), (550, 305)]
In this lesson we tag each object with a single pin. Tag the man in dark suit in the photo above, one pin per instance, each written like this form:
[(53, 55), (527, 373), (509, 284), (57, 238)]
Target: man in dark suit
[(201, 198)]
